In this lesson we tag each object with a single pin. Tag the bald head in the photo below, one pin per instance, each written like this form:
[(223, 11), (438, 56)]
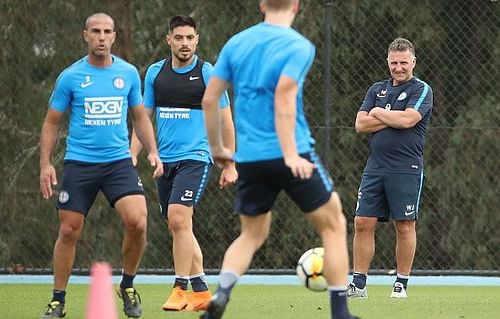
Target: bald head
[(100, 17)]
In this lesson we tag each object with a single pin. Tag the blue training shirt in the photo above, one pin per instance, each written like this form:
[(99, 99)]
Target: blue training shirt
[(98, 99), (253, 61), (399, 150), (181, 131)]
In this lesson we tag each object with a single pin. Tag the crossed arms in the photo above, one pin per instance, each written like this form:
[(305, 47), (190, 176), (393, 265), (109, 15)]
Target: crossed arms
[(379, 118)]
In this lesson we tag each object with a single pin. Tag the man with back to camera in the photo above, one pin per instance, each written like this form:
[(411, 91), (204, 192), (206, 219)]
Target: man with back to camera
[(174, 88), (267, 65), (396, 112), (97, 91)]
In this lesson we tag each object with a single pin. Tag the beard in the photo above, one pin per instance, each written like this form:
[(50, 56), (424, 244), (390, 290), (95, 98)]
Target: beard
[(184, 57)]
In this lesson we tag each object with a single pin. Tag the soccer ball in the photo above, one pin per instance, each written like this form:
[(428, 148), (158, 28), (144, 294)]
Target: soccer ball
[(310, 269)]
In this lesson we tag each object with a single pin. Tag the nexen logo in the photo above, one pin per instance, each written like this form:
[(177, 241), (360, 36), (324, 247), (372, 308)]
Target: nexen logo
[(103, 107), (103, 111)]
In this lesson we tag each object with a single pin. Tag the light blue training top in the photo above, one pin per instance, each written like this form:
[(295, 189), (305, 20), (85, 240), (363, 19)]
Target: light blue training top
[(181, 132), (97, 99), (253, 61)]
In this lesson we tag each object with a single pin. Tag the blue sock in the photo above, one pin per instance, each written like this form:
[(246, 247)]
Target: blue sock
[(338, 302), (127, 281), (198, 282), (182, 282), (403, 279), (59, 295), (359, 280)]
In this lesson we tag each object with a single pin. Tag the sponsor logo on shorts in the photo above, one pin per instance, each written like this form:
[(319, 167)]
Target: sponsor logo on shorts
[(139, 182), (63, 197), (360, 193), (410, 210), (188, 196)]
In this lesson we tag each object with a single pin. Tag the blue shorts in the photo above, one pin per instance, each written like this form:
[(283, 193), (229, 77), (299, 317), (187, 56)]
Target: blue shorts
[(82, 181), (390, 196), (259, 183), (182, 182)]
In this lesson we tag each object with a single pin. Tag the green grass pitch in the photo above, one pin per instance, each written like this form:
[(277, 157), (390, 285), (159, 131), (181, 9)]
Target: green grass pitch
[(21, 301)]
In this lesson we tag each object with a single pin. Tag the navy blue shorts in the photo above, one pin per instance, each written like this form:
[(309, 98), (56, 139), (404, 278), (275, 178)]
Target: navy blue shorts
[(182, 182), (259, 183), (390, 196), (82, 181)]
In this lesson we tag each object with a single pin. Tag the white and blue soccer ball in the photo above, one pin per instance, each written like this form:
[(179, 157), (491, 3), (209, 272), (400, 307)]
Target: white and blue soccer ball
[(310, 269)]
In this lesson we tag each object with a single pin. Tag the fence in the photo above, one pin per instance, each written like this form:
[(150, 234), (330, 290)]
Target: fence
[(457, 47)]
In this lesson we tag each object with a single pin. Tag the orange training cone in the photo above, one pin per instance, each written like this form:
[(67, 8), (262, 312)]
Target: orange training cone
[(101, 300)]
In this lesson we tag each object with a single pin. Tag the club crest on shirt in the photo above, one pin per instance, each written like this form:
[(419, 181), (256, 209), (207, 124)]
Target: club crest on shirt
[(119, 82), (402, 96)]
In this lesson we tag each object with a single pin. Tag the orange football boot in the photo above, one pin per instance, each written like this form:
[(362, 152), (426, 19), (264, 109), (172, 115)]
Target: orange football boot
[(198, 300), (177, 300)]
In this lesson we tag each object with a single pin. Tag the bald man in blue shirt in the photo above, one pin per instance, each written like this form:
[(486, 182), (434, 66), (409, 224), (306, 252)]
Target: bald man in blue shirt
[(97, 91)]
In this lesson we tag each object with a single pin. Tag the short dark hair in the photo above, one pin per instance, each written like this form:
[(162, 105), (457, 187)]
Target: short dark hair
[(277, 4), (401, 44), (179, 21)]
